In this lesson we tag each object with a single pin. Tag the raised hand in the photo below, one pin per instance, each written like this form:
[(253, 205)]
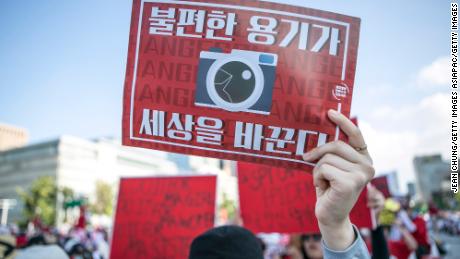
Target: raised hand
[(341, 173)]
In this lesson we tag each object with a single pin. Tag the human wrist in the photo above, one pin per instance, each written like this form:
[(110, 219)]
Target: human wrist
[(339, 235)]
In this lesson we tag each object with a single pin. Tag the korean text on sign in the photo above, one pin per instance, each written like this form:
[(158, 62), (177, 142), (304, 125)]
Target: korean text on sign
[(240, 80)]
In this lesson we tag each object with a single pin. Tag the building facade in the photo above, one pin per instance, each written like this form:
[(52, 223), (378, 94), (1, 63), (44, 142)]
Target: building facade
[(432, 173), (79, 163), (12, 137)]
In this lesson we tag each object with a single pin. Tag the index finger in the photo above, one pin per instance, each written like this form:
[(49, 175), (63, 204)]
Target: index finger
[(355, 138)]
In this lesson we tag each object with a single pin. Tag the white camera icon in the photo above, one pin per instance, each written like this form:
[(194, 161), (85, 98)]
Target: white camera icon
[(237, 81)]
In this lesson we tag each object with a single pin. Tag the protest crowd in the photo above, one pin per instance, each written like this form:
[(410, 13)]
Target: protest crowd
[(39, 241), (404, 231), (267, 84), (401, 230)]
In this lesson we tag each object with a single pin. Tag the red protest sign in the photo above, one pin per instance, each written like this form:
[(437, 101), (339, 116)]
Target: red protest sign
[(158, 217), (387, 184), (381, 183), (239, 80), (279, 200)]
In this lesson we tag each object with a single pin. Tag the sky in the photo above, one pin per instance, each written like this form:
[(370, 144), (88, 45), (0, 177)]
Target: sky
[(62, 67)]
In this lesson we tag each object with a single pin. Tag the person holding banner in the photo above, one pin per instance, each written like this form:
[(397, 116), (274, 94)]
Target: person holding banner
[(342, 171)]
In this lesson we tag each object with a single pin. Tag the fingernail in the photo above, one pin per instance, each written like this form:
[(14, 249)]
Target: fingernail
[(333, 112)]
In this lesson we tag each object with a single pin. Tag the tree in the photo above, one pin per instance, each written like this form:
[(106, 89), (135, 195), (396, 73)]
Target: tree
[(40, 200), (68, 195), (103, 204)]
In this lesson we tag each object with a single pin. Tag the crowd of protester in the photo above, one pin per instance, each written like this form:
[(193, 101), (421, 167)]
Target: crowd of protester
[(38, 241), (447, 222), (403, 230)]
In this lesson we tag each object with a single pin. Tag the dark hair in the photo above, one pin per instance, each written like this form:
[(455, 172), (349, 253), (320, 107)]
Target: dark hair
[(304, 254), (36, 240), (230, 242), (79, 249), (303, 238), (263, 246)]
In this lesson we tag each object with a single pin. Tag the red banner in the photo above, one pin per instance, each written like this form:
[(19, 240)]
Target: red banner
[(280, 200), (159, 217), (382, 184), (239, 80)]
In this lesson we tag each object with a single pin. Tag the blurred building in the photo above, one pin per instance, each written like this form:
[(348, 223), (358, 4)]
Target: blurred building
[(79, 163), (75, 163), (12, 137), (411, 189), (433, 179)]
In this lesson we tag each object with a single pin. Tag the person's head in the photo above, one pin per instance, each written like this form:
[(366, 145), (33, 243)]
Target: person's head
[(226, 242), (311, 246), (36, 240)]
